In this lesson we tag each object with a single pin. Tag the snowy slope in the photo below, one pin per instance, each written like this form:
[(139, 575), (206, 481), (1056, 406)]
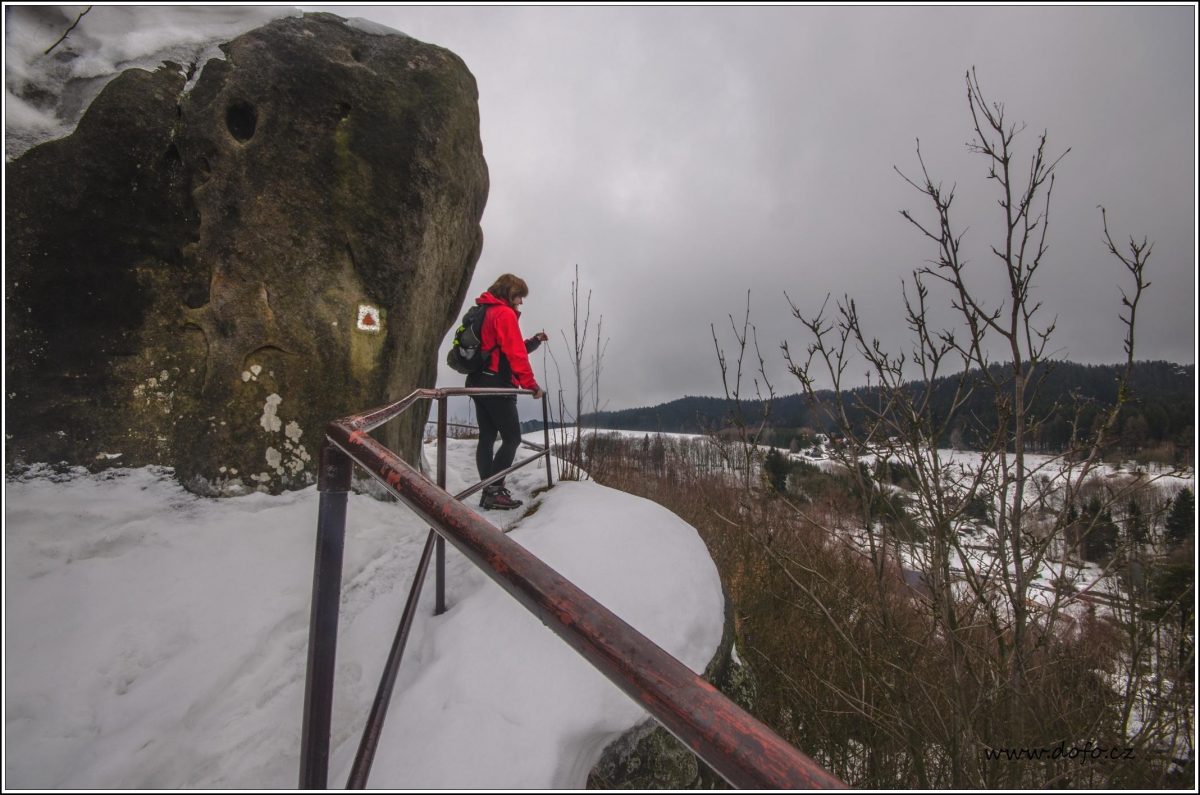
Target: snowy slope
[(157, 639)]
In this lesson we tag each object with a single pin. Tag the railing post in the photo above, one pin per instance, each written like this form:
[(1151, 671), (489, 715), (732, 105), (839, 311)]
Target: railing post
[(546, 430), (439, 567), (333, 483)]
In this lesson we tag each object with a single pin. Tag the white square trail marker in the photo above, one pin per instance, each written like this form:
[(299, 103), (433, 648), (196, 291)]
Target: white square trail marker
[(369, 319)]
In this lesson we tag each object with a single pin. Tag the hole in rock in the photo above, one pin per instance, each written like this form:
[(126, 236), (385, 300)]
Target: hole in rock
[(241, 118)]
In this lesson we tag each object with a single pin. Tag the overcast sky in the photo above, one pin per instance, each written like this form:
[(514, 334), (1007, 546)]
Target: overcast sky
[(684, 155)]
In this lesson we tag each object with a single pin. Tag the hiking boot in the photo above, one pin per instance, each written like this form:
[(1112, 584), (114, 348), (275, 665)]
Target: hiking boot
[(499, 500)]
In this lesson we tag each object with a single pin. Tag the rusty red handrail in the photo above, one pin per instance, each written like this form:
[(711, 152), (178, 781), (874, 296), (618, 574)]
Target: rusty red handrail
[(744, 751), (372, 418), (334, 484)]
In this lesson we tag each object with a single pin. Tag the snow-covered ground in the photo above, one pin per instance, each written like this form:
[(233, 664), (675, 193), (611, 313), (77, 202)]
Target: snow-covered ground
[(1047, 477), (155, 639), (1087, 582)]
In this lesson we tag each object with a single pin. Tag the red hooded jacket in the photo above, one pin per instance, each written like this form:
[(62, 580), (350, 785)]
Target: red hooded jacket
[(502, 335)]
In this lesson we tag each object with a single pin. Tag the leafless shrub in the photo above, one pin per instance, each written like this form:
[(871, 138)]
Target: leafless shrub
[(900, 658)]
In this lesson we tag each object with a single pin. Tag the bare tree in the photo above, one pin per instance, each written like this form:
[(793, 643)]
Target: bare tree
[(740, 450), (586, 377), (1000, 627)]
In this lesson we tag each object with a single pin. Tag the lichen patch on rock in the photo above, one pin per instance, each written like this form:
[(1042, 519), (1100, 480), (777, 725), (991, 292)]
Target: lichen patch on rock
[(270, 418)]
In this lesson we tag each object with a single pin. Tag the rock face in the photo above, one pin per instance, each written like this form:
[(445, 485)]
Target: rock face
[(204, 279)]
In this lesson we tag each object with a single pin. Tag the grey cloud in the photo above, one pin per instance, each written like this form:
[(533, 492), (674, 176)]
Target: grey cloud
[(684, 155)]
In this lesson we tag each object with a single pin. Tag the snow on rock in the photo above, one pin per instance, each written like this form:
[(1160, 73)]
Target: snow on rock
[(46, 93), (374, 28), (155, 639)]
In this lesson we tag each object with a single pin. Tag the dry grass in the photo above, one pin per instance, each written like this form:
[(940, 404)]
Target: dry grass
[(854, 666)]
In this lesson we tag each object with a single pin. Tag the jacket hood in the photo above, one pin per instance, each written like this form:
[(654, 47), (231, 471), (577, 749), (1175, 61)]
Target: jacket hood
[(487, 299)]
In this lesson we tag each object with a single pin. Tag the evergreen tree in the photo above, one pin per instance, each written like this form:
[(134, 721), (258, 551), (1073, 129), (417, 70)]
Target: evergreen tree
[(1100, 532), (1181, 522), (1172, 586), (777, 467), (658, 452), (980, 509), (1135, 522)]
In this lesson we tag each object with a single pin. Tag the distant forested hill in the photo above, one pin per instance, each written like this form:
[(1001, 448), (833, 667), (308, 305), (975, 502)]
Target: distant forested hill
[(1161, 408)]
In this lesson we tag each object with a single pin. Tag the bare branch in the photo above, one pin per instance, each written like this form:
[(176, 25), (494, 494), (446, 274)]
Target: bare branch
[(63, 37)]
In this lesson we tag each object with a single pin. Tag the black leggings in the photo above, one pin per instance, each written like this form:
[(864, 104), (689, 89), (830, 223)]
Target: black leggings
[(496, 414)]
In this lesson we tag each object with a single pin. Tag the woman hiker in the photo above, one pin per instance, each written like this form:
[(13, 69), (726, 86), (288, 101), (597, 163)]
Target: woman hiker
[(506, 365)]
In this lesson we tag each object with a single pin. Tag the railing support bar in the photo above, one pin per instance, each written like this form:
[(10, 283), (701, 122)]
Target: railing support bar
[(334, 486), (387, 682), (462, 495), (440, 563)]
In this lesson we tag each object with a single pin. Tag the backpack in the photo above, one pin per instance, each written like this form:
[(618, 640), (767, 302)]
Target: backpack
[(466, 355)]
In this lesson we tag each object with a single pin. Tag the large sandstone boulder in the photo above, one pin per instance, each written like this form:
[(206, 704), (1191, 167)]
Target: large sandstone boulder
[(204, 278)]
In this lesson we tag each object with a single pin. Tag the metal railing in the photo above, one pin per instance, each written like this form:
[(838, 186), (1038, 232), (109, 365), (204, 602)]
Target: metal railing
[(742, 750)]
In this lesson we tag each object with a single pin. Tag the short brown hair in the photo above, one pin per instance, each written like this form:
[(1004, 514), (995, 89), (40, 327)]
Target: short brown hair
[(508, 287)]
